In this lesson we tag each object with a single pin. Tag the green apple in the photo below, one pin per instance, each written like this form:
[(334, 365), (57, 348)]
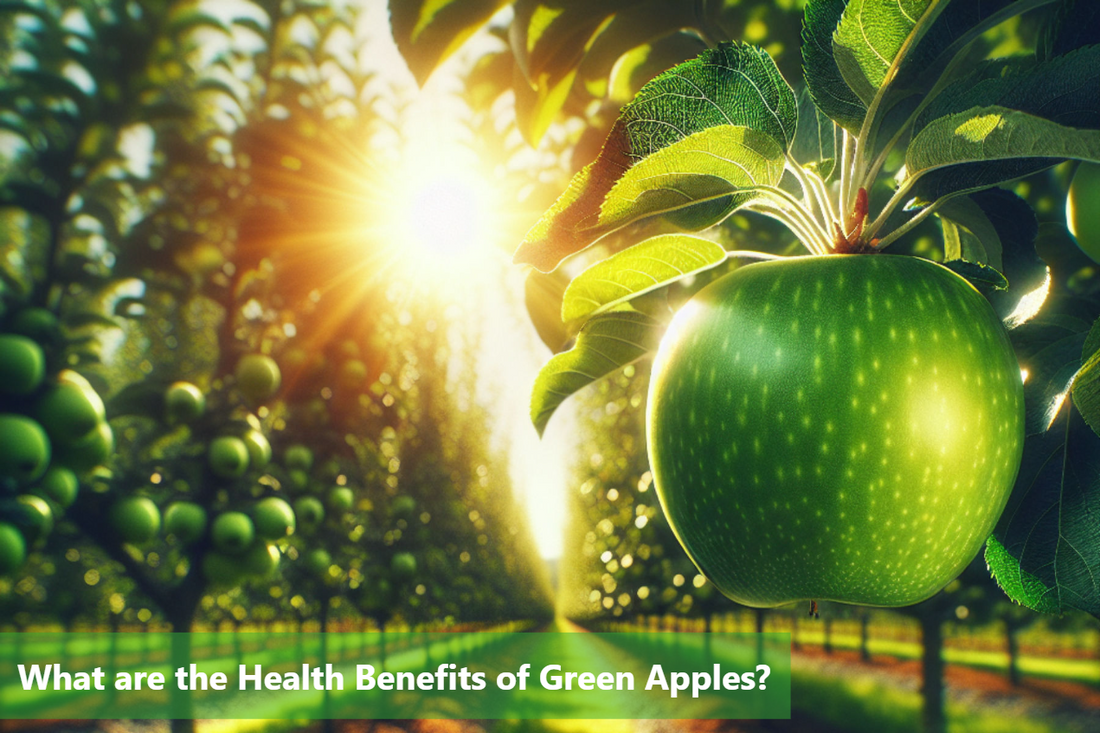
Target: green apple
[(13, 549), (26, 450), (297, 479), (70, 410), (258, 377), (22, 365), (185, 520), (309, 511), (94, 449), (36, 323), (136, 519), (403, 565), (183, 403), (222, 570), (60, 485), (33, 516), (1083, 209), (273, 517), (259, 450), (228, 456), (232, 532), (318, 562), (261, 559), (341, 499), (298, 458), (404, 505), (842, 428)]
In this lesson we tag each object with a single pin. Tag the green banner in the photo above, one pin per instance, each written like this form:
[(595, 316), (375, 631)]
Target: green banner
[(483, 675)]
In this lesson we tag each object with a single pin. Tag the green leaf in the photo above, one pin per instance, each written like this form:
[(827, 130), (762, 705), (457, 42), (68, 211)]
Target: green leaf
[(874, 34), (1075, 25), (1086, 392), (968, 234), (826, 84), (983, 277), (605, 343), (641, 64), (538, 106), (1017, 584), (1049, 527), (647, 266), (543, 294), (549, 37), (972, 140), (733, 85), (815, 141), (427, 32), (709, 165)]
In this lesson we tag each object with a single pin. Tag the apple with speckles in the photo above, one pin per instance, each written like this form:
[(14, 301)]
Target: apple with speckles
[(843, 428)]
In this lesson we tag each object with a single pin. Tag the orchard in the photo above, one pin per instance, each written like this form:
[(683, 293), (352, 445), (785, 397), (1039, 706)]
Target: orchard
[(402, 317)]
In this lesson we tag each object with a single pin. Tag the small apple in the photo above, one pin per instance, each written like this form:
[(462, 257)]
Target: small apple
[(261, 559), (273, 517), (341, 499), (60, 485), (26, 450), (94, 449), (403, 565), (404, 505), (297, 479), (13, 549), (135, 519), (232, 532), (33, 516), (318, 562), (298, 457), (1083, 209), (185, 520), (38, 324), (228, 456), (22, 365), (183, 403), (71, 409), (259, 450), (309, 511), (258, 377)]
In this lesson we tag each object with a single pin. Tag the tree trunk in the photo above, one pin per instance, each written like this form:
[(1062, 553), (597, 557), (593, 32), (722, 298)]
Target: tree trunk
[(183, 716), (932, 674), (1013, 653), (827, 643), (794, 631), (865, 637)]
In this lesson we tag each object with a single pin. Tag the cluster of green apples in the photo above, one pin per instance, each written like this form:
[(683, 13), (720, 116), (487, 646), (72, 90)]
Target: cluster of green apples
[(53, 430)]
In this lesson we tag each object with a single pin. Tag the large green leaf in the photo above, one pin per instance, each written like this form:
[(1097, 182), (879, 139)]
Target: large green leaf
[(830, 92), (1075, 25), (733, 85), (968, 234), (873, 34), (712, 164), (973, 139), (647, 266), (606, 343), (1018, 584), (1086, 385), (429, 31), (1049, 527)]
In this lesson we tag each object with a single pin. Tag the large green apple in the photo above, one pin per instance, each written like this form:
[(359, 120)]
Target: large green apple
[(94, 449), (1083, 209), (259, 449), (183, 403), (232, 532), (59, 485), (228, 456), (71, 409), (273, 517), (185, 520), (258, 377), (13, 549), (842, 428)]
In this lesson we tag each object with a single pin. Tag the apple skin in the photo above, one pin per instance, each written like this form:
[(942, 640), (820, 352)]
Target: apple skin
[(70, 410), (261, 560), (310, 512), (222, 570), (341, 499), (1083, 209), (22, 365), (185, 520), (26, 450), (136, 519), (13, 549), (232, 532), (228, 456), (273, 517), (843, 428), (318, 562), (34, 517), (403, 565), (94, 449), (258, 377), (259, 449), (298, 458)]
